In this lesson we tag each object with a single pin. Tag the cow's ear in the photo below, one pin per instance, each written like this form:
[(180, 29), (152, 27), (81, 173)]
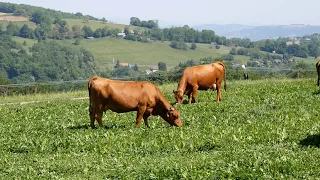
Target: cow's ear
[(174, 91)]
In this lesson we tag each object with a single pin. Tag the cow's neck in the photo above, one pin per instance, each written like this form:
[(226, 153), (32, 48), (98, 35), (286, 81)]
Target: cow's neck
[(163, 102), (182, 85)]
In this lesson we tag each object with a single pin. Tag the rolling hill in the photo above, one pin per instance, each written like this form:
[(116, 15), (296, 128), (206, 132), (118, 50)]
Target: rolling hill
[(256, 33)]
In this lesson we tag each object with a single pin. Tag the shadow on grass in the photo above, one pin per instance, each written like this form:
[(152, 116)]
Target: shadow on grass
[(87, 126), (317, 92), (208, 146), (176, 104), (311, 140)]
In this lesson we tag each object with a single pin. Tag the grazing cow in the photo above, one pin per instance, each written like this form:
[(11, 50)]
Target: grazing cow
[(124, 96), (245, 76), (318, 70), (201, 77)]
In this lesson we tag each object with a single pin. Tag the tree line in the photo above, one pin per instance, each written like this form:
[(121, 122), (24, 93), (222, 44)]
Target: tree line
[(44, 61), (28, 10)]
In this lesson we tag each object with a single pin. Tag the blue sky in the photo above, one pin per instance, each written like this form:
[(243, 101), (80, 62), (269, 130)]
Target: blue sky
[(199, 12)]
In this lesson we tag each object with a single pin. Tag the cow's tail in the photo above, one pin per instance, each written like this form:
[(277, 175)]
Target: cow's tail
[(89, 90), (225, 75)]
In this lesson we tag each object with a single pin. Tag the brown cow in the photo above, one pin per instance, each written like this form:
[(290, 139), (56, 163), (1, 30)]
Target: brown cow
[(124, 96), (318, 70), (201, 77)]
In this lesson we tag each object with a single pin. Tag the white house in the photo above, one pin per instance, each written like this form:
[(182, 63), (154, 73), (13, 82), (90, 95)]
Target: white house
[(121, 35)]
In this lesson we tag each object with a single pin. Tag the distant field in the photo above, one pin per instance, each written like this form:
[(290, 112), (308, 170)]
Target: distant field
[(93, 24), (146, 54), (10, 17), (13, 18), (308, 60), (30, 42), (19, 23), (267, 129)]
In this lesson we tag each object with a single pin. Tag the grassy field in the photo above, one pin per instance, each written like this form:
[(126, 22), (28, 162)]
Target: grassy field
[(146, 54), (266, 129), (93, 24)]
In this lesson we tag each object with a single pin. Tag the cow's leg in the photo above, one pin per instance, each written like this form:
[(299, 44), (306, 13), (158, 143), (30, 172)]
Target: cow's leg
[(99, 118), (145, 118), (189, 98), (140, 113), (219, 96), (92, 117), (319, 79), (194, 93)]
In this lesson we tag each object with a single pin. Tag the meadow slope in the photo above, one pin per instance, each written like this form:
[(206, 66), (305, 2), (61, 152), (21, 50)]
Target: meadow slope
[(262, 129), (148, 55)]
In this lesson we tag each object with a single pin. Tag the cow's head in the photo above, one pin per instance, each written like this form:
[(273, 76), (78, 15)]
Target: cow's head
[(173, 117), (178, 94)]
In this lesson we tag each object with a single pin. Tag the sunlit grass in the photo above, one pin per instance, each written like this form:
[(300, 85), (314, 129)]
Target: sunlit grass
[(266, 129)]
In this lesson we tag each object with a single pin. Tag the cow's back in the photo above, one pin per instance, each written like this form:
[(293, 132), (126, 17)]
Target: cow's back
[(202, 75), (122, 96)]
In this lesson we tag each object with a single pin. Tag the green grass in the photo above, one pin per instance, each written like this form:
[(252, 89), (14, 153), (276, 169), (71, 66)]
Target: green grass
[(20, 40), (266, 129), (309, 60), (144, 54), (93, 24), (30, 24)]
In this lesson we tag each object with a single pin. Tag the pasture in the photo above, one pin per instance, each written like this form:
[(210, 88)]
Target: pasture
[(147, 55), (93, 24), (268, 129)]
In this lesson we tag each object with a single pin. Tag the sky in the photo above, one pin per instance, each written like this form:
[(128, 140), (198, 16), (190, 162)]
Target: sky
[(192, 12)]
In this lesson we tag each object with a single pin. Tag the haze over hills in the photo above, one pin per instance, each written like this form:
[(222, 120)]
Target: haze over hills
[(255, 33)]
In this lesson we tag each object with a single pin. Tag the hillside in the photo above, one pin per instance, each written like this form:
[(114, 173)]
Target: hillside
[(146, 54), (93, 24), (256, 33)]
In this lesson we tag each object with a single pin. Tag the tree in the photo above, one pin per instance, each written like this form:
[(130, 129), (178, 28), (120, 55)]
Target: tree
[(179, 45), (208, 36), (131, 37), (193, 46), (20, 12), (87, 31), (77, 42), (135, 68), (104, 32), (39, 17), (97, 33), (12, 29), (233, 51), (135, 21), (117, 64), (104, 20), (162, 66), (40, 33), (76, 31), (126, 30)]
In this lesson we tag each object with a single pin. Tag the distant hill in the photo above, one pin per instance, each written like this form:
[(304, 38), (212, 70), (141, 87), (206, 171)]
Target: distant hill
[(255, 33)]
